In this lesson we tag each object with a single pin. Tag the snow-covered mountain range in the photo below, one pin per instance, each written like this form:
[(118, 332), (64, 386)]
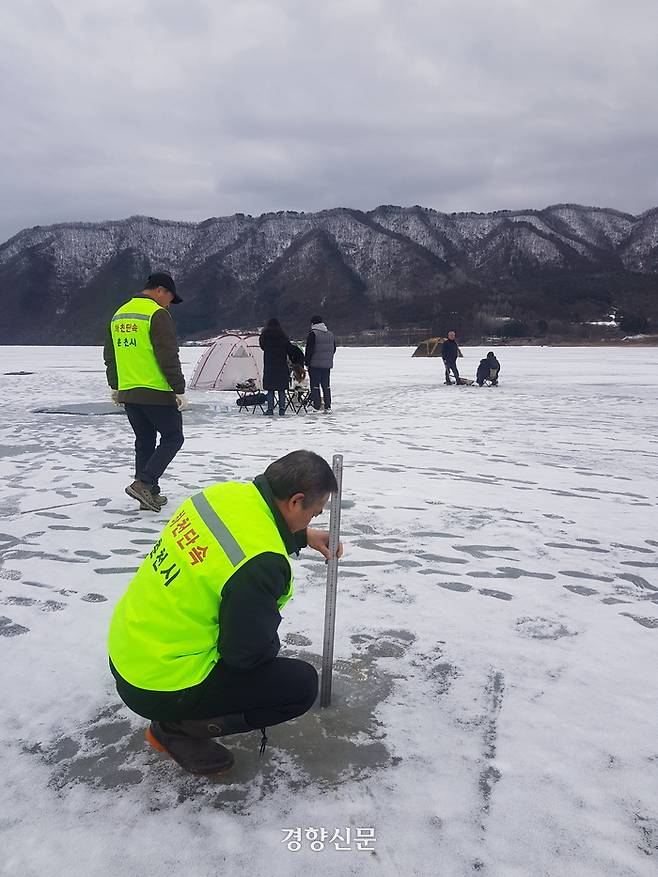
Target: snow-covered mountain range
[(391, 267)]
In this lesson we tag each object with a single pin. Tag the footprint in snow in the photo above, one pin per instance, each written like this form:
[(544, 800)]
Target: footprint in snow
[(499, 595), (10, 628), (579, 589), (651, 623), (543, 628), (68, 527), (576, 574), (12, 575)]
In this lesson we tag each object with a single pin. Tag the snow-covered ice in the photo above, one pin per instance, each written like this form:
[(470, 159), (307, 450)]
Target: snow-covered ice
[(494, 698)]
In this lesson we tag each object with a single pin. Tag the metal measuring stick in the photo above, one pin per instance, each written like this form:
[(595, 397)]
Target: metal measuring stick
[(332, 585)]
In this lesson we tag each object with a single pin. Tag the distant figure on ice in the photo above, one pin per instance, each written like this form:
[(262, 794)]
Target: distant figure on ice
[(276, 347), (449, 354), (193, 642), (488, 370), (144, 373), (319, 358)]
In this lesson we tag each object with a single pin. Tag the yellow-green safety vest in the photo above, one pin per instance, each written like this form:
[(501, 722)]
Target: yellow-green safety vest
[(137, 365), (164, 633)]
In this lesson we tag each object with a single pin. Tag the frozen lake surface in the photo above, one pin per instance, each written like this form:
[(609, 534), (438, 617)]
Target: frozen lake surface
[(494, 698)]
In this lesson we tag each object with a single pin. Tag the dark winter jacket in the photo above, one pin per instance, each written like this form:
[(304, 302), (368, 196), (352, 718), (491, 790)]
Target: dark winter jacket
[(248, 620), (320, 347), (165, 347), (484, 369), (276, 349), (449, 351)]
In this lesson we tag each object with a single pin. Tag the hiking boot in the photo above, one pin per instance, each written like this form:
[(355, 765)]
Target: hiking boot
[(160, 500), (268, 413), (202, 757), (217, 726), (221, 726), (142, 492)]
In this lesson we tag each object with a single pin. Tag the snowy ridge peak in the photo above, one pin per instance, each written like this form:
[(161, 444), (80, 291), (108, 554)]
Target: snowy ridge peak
[(388, 266)]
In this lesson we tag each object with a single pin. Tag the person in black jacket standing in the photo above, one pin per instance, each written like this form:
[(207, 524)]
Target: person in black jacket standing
[(319, 358), (449, 353), (276, 347)]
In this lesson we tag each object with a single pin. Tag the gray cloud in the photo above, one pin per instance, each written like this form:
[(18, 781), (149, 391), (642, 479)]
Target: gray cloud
[(186, 110)]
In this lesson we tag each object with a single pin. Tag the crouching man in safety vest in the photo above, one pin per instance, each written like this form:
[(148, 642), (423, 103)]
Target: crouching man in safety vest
[(193, 642)]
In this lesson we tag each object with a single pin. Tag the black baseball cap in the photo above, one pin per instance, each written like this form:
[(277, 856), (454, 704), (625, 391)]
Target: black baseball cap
[(160, 278)]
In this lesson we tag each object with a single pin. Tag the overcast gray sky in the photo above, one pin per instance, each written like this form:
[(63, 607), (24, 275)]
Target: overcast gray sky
[(198, 108)]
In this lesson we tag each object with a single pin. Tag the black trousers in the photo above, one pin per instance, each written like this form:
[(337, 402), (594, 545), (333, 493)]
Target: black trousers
[(451, 366), (275, 692), (319, 377), (147, 421)]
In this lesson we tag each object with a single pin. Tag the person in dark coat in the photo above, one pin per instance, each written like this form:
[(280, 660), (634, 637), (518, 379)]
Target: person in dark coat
[(276, 348), (449, 353), (489, 369)]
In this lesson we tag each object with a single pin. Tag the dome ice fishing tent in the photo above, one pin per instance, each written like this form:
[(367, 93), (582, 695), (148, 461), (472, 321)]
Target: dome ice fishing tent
[(430, 347), (232, 359)]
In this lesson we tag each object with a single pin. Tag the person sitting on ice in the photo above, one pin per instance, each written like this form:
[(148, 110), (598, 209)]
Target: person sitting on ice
[(488, 370)]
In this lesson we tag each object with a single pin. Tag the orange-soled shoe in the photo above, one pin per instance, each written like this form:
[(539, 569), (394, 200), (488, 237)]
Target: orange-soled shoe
[(197, 756)]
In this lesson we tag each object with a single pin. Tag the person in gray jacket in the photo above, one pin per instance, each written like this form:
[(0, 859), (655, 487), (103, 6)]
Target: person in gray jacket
[(319, 359)]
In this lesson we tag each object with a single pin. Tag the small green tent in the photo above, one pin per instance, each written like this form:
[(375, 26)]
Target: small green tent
[(431, 347)]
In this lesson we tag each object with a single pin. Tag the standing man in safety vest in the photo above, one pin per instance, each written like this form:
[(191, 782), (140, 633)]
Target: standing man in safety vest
[(144, 373), (193, 642)]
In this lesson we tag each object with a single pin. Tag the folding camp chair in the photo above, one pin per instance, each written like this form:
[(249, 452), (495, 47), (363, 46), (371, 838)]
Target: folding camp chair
[(298, 399), (256, 399)]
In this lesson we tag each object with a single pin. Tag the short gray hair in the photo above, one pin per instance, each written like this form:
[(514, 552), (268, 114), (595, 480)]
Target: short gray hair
[(301, 472)]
